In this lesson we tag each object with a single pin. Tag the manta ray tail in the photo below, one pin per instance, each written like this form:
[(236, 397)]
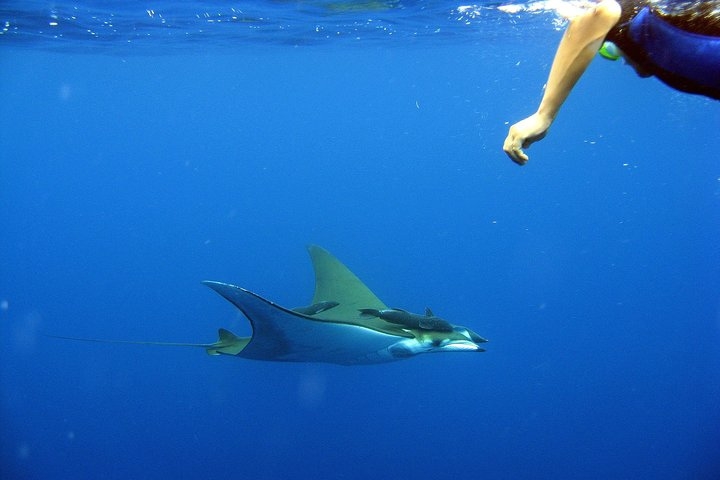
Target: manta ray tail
[(227, 344)]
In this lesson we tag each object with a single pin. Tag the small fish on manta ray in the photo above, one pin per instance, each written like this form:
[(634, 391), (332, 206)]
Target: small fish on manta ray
[(345, 324), (410, 320)]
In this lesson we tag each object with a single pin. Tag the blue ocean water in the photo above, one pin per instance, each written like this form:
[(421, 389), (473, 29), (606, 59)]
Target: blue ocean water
[(147, 148)]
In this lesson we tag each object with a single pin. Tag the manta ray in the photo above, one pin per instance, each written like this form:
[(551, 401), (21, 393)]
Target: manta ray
[(344, 324)]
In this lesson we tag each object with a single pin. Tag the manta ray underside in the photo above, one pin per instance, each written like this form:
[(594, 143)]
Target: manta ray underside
[(336, 327)]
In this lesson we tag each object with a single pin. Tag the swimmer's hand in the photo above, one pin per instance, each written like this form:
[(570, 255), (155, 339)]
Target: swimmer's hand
[(523, 134)]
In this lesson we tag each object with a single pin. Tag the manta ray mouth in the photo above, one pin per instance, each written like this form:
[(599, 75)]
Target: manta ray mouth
[(459, 346)]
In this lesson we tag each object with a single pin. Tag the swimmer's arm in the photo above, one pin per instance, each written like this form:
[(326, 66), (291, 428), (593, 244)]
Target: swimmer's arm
[(579, 44), (577, 48)]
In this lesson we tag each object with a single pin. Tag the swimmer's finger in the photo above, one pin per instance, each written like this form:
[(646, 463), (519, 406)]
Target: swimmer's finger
[(513, 150), (519, 156)]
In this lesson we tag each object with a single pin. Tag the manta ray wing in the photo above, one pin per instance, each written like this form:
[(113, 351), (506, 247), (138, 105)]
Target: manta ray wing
[(335, 282), (279, 334)]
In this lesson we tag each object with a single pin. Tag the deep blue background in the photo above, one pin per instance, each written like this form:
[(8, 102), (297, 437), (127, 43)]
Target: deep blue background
[(594, 270)]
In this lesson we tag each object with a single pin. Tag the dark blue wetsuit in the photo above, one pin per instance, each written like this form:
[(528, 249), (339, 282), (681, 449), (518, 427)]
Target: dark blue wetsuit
[(675, 40)]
